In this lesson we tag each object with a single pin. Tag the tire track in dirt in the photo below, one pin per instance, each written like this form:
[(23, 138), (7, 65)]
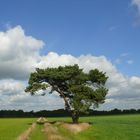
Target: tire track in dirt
[(52, 132), (25, 135)]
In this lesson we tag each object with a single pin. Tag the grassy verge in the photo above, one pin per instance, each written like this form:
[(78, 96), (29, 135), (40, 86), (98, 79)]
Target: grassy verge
[(10, 129)]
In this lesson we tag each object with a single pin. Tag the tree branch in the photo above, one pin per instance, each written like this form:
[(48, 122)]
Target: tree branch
[(67, 106)]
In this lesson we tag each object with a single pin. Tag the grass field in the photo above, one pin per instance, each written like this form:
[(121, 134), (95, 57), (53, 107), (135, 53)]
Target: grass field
[(125, 127), (11, 128)]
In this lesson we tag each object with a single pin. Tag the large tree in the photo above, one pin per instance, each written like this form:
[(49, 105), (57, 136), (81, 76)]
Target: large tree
[(80, 91)]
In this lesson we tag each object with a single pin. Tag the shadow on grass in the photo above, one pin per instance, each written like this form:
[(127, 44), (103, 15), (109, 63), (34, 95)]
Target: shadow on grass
[(61, 122), (29, 123)]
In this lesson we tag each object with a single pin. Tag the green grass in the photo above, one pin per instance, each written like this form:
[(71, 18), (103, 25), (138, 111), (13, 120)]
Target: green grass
[(121, 127), (126, 127), (38, 133), (10, 129)]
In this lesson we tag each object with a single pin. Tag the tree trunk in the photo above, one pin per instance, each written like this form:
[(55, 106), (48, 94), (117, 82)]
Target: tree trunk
[(75, 117)]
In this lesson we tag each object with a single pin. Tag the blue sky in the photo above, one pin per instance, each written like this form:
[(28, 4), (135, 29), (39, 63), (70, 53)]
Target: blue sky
[(78, 27), (103, 34)]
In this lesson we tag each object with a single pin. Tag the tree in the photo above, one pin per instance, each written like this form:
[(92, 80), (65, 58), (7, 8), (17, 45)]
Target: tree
[(80, 91)]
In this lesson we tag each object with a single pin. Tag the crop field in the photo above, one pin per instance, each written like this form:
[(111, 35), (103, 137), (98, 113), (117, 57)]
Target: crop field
[(121, 127)]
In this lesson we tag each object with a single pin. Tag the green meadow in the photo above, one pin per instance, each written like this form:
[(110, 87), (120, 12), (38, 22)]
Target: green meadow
[(11, 128), (119, 127)]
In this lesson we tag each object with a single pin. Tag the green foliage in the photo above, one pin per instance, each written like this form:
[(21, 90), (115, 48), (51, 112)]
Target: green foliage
[(79, 90)]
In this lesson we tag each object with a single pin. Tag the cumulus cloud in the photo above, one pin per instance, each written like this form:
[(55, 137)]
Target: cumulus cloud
[(12, 96), (121, 88), (124, 91), (18, 53), (11, 87)]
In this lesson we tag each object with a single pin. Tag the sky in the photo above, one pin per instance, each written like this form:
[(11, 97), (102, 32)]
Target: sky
[(92, 33)]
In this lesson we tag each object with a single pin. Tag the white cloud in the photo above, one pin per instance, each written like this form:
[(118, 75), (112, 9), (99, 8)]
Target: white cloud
[(19, 55), (135, 82), (137, 4), (12, 96), (124, 58), (130, 61), (121, 89), (125, 54), (11, 87)]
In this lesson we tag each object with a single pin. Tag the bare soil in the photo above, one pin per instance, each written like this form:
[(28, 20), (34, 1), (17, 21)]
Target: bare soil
[(52, 132), (76, 128), (27, 133)]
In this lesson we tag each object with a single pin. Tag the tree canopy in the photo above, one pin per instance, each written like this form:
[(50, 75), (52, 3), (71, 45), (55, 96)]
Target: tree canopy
[(79, 90)]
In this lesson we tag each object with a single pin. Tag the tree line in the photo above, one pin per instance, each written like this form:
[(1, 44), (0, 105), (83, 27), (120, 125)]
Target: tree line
[(61, 113)]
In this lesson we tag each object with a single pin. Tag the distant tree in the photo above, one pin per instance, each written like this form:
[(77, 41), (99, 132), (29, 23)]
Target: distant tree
[(80, 91)]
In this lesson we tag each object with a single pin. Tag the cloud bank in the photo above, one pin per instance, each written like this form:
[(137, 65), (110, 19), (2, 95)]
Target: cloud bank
[(20, 54)]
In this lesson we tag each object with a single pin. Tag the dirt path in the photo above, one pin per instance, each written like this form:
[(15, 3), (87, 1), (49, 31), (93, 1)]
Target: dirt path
[(76, 128), (25, 135), (52, 132)]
